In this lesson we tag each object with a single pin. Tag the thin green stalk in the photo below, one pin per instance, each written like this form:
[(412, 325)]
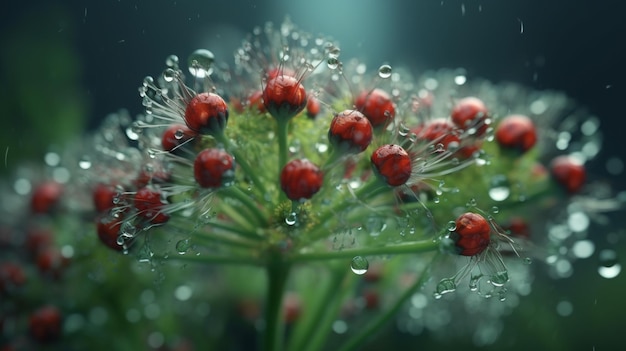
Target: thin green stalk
[(366, 191), (317, 340), (357, 340), (242, 162), (246, 233), (316, 308), (277, 273), (281, 133), (390, 249), (245, 200), (213, 259)]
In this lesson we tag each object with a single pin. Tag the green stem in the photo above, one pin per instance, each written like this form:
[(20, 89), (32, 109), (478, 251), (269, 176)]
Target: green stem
[(249, 234), (281, 132), (242, 162), (392, 249), (316, 308), (365, 192), (245, 200), (213, 259), (277, 273), (357, 340), (317, 340)]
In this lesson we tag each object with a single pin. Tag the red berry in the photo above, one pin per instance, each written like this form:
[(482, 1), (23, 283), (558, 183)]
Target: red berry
[(350, 131), (301, 179), (471, 235), (470, 112), (392, 163), (51, 262), (206, 113), (440, 131), (11, 276), (568, 172), (38, 239), (284, 96), (103, 197), (213, 168), (46, 196), (377, 106), (176, 135), (108, 230), (312, 107), (149, 205), (516, 132), (45, 324), (518, 227), (292, 308), (158, 176)]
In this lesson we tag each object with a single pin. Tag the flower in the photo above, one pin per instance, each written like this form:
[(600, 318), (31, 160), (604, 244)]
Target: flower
[(387, 181)]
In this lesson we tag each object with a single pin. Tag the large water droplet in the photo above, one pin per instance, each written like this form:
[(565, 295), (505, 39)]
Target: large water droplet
[(499, 188), (85, 162), (201, 63), (384, 71), (609, 266), (359, 265)]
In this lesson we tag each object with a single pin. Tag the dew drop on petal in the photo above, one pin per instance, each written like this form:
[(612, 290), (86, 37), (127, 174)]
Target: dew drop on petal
[(359, 265), (384, 71)]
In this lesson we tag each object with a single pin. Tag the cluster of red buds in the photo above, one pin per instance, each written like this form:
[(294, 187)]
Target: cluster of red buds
[(358, 185)]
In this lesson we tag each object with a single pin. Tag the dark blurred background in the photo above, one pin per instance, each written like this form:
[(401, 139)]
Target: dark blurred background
[(105, 48), (74, 61)]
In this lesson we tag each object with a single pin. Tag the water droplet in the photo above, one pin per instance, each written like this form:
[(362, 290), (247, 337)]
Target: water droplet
[(84, 163), (474, 281), (384, 71), (495, 210), (500, 278), (332, 62), (499, 188), (445, 286), (201, 63), (172, 61), (148, 81), (359, 265), (182, 246), (128, 230), (291, 219), (609, 266), (169, 75), (179, 134), (451, 226), (528, 260), (333, 51)]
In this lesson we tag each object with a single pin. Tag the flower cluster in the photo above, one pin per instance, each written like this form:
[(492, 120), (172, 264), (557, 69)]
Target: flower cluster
[(327, 177)]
